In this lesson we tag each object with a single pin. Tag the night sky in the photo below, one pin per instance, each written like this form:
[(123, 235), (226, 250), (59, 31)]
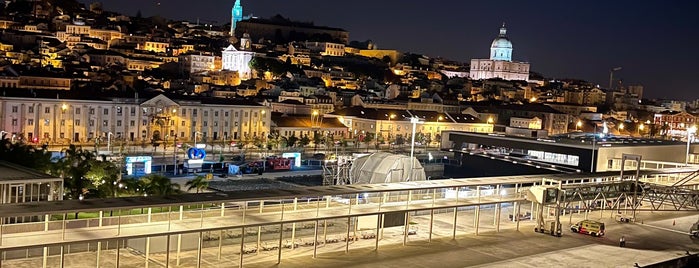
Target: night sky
[(654, 41)]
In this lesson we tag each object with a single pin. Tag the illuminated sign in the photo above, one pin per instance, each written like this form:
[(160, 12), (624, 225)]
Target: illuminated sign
[(138, 165), (296, 156), (196, 153)]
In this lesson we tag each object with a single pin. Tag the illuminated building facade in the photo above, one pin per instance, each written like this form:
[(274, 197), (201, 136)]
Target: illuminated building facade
[(236, 16), (72, 120), (500, 64)]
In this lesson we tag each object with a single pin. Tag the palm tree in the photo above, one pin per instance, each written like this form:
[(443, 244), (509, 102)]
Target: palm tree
[(160, 185), (199, 183), (73, 167)]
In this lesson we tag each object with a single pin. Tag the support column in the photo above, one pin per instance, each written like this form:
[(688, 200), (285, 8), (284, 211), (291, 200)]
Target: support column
[(147, 251), (498, 208), (118, 249), (242, 245), (99, 251), (453, 235), (61, 260), (220, 244), (199, 246), (293, 225), (315, 240), (179, 239), (518, 205), (431, 223), (347, 238), (477, 217), (407, 227), (281, 233), (167, 251), (378, 227)]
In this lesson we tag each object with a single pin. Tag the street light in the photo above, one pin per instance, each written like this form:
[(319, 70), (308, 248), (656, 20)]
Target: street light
[(641, 127), (621, 126), (690, 131), (109, 142), (611, 76), (195, 137), (390, 129), (414, 121), (578, 125)]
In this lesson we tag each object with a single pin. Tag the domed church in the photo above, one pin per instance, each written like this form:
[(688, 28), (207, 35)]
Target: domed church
[(500, 64)]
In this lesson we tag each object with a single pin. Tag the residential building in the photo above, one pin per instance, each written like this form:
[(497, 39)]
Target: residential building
[(327, 48), (196, 62), (675, 123), (390, 124)]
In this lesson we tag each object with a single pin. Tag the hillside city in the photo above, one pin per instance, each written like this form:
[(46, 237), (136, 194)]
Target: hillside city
[(256, 80)]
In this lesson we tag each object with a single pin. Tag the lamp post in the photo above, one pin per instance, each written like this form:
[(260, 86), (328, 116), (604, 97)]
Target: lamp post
[(174, 153), (578, 125), (414, 121), (690, 131), (611, 76), (594, 140), (64, 107), (195, 137), (490, 122), (390, 130), (641, 127), (109, 142)]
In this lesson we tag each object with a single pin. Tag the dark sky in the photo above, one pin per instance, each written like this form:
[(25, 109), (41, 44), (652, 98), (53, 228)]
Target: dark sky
[(654, 41)]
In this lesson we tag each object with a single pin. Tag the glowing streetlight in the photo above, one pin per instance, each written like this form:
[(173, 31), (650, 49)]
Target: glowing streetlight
[(490, 120), (414, 121), (690, 132), (64, 107), (621, 126), (109, 142), (578, 125)]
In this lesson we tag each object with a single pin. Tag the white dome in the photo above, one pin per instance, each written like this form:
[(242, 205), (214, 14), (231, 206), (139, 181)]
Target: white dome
[(501, 42)]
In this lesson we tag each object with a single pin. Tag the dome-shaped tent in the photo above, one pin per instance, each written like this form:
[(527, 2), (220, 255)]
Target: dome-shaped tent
[(385, 167)]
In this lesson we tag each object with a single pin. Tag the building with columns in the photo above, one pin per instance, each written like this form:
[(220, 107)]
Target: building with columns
[(388, 124), (500, 64), (238, 60), (53, 119)]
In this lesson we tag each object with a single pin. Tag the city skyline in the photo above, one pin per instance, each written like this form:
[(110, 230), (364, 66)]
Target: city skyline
[(561, 40)]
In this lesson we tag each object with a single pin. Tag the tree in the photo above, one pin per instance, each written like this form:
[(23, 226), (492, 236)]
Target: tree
[(104, 176), (159, 185), (291, 140), (199, 183), (73, 167), (304, 141), (25, 155)]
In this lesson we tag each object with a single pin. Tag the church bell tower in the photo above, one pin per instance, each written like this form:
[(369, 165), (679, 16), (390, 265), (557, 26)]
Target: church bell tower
[(236, 16)]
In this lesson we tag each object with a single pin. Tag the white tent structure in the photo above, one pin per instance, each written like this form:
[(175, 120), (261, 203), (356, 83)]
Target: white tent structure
[(385, 167)]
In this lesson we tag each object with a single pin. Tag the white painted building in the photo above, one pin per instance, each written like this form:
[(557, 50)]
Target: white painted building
[(500, 64), (239, 61)]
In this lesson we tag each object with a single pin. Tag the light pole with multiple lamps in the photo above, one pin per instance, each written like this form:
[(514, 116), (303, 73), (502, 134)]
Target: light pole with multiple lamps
[(109, 142), (414, 121), (690, 132), (611, 76)]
